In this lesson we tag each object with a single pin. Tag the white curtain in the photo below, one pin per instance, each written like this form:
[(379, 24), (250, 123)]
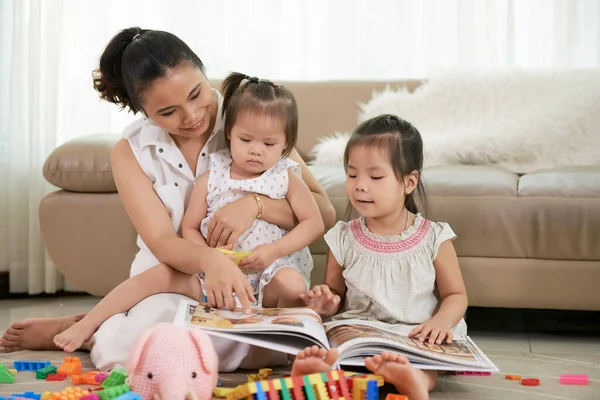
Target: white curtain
[(49, 49)]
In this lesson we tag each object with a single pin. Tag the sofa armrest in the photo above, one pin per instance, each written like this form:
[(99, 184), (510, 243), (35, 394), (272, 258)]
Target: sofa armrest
[(83, 164)]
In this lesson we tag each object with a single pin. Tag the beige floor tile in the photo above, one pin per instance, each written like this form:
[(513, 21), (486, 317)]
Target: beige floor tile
[(501, 341), (554, 344)]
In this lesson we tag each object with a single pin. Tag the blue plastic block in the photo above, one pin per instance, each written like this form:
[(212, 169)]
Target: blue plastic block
[(372, 390), (30, 365), (29, 395), (260, 394), (129, 396)]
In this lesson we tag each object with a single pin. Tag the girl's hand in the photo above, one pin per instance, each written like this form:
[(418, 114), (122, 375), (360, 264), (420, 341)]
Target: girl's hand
[(230, 221), (222, 280), (436, 329), (261, 258), (323, 300)]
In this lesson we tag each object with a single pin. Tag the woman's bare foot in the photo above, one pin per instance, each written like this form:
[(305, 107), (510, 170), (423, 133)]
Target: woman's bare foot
[(314, 359), (409, 381), (74, 337), (35, 333)]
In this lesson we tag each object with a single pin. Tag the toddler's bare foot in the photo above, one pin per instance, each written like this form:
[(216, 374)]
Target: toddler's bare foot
[(314, 359), (396, 369), (73, 338), (35, 333)]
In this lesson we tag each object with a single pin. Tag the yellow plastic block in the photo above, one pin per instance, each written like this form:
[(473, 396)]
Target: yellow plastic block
[(12, 371), (238, 256), (222, 392)]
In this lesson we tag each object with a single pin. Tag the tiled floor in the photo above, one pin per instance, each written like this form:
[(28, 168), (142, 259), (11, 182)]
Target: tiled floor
[(542, 355)]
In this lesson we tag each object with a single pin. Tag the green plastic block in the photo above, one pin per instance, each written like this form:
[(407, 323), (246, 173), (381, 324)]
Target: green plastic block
[(116, 378), (112, 392), (44, 372), (5, 375)]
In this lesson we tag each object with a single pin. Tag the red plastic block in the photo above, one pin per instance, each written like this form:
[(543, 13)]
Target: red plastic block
[(530, 382), (56, 377), (512, 377), (392, 396), (572, 379)]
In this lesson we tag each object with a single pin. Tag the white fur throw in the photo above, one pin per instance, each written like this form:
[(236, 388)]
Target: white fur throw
[(519, 120)]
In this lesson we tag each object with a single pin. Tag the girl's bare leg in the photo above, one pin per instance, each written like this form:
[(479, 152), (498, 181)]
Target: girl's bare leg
[(284, 290), (158, 279)]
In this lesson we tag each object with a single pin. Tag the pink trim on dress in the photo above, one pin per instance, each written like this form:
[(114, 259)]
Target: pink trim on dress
[(389, 247)]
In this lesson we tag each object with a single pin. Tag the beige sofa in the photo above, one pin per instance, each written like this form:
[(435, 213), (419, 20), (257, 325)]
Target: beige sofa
[(530, 241)]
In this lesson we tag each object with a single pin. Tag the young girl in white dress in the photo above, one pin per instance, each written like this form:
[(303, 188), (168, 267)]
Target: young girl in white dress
[(261, 128), (391, 266)]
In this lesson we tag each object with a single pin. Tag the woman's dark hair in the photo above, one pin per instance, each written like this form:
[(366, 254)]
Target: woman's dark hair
[(402, 142), (261, 96), (133, 59)]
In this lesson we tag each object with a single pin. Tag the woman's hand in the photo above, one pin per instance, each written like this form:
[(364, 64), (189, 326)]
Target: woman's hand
[(223, 279), (436, 329), (230, 221), (261, 258)]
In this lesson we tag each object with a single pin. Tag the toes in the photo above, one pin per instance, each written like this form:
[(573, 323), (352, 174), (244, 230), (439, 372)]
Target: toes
[(321, 353), (331, 356), (10, 338), (13, 331), (314, 350)]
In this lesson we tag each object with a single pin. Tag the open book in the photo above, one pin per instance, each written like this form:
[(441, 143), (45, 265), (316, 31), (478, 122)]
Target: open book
[(290, 330)]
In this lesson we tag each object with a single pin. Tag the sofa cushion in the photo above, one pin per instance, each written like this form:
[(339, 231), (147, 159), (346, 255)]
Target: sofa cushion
[(570, 182), (485, 208), (83, 164)]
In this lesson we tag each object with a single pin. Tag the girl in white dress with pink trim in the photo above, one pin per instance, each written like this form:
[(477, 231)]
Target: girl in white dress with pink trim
[(392, 268)]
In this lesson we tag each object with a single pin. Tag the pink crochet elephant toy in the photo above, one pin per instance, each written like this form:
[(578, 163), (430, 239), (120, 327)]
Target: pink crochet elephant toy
[(173, 363)]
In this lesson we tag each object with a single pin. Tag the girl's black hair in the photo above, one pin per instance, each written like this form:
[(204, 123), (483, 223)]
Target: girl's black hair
[(262, 96), (133, 59), (403, 144)]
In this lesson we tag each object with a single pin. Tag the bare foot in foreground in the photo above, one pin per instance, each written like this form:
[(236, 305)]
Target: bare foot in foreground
[(314, 359), (74, 337), (409, 381), (35, 333)]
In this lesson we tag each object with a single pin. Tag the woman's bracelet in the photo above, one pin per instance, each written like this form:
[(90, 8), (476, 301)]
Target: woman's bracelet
[(260, 206)]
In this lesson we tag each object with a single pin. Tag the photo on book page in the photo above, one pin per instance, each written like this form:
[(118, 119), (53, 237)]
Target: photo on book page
[(260, 319), (340, 334)]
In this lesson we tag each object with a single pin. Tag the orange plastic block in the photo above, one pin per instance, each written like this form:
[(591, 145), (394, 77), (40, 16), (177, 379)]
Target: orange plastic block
[(391, 396), (512, 377), (71, 366), (87, 378)]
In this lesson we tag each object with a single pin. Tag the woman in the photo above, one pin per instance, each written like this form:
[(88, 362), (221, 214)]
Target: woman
[(154, 166)]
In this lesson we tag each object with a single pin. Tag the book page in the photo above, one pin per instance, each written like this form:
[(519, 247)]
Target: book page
[(352, 337), (300, 326)]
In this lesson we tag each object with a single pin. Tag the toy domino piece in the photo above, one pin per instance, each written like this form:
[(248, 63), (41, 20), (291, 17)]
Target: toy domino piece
[(571, 379)]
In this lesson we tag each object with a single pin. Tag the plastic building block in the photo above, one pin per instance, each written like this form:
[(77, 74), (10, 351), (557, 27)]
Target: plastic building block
[(116, 378), (512, 377), (56, 377), (28, 395), (260, 394), (571, 379), (91, 396), (114, 391), (392, 396), (5, 375), (30, 365), (473, 373), (221, 392), (67, 393), (12, 371), (87, 378), (530, 382), (129, 396), (44, 372), (372, 391), (71, 366), (12, 398)]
